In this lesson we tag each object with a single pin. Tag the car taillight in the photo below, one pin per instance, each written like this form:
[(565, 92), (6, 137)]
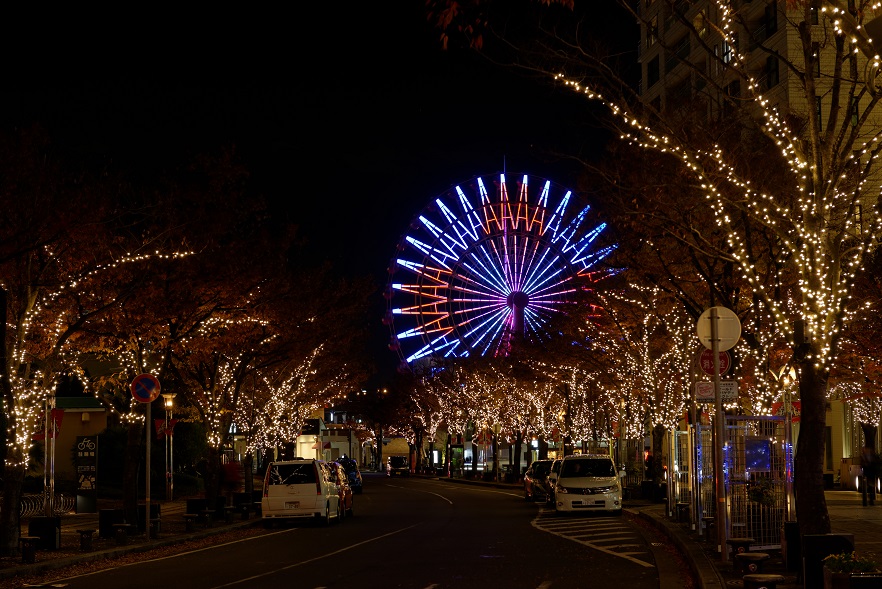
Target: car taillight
[(318, 480)]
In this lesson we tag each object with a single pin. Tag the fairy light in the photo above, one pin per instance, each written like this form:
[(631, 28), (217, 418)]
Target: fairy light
[(41, 337), (824, 216)]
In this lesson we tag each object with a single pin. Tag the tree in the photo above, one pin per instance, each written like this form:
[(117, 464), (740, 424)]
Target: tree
[(813, 216)]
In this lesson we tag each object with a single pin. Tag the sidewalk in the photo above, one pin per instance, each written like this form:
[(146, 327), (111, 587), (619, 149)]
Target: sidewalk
[(173, 529), (847, 516)]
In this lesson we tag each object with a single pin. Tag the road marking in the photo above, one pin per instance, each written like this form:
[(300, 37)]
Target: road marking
[(544, 585), (309, 560), (539, 522), (421, 491)]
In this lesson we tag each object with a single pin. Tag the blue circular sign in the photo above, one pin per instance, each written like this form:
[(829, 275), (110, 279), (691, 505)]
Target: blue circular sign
[(145, 388)]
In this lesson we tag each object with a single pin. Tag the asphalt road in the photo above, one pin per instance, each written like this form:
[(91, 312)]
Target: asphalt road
[(417, 533)]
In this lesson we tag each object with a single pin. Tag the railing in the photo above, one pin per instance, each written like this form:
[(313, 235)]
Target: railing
[(34, 504)]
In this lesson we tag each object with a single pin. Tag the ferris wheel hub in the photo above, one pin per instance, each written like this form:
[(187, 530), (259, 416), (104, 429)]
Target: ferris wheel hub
[(518, 299)]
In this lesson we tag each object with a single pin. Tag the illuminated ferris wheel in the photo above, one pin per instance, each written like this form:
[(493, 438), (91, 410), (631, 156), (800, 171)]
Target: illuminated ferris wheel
[(486, 261)]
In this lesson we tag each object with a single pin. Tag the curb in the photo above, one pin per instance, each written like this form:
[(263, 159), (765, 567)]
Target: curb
[(702, 568)]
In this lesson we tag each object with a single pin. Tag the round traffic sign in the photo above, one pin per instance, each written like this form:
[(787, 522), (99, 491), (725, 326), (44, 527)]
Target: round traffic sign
[(706, 361), (728, 328), (145, 388)]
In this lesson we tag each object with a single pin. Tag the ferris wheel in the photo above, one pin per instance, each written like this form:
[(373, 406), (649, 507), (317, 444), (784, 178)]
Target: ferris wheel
[(485, 261)]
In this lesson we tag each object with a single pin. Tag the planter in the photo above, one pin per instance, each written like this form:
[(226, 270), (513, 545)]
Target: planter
[(851, 580)]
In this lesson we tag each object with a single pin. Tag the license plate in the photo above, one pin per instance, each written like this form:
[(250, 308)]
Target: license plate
[(292, 504)]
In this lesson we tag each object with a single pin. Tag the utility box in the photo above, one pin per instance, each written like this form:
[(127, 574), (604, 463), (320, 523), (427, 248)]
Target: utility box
[(48, 529)]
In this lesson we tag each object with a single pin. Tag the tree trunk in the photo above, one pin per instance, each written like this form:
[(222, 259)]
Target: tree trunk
[(519, 440), (131, 469), (380, 466), (658, 465), (811, 506), (212, 476), (10, 514), (248, 468)]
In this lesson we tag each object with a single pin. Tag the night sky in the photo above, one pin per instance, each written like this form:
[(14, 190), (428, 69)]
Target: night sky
[(350, 118)]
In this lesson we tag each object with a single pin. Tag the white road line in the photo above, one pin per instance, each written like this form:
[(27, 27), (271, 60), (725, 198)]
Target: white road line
[(421, 491), (537, 523), (309, 560), (544, 585)]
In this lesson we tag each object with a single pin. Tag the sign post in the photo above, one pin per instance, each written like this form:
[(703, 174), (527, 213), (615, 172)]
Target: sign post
[(145, 388), (719, 329)]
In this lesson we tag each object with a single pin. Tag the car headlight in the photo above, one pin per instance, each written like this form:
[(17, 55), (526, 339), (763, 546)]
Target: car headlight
[(562, 490)]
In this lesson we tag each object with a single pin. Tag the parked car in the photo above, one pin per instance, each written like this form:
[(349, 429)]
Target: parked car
[(355, 480), (551, 480), (535, 480), (297, 489), (340, 477), (397, 465), (588, 482)]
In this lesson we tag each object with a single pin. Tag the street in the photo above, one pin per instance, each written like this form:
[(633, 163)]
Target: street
[(418, 533)]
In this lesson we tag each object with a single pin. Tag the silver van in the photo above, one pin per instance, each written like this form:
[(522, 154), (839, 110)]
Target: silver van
[(588, 482), (302, 488)]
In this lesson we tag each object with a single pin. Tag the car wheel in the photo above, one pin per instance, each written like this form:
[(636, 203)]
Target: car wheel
[(341, 513), (351, 507), (326, 520)]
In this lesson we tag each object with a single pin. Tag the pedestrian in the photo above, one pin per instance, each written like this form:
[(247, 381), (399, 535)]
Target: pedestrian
[(870, 466)]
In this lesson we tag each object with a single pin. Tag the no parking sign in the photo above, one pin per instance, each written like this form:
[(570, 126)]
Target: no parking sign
[(145, 388)]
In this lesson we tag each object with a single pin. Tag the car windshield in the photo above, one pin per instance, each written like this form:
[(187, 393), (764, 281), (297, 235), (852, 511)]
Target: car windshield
[(600, 467), (292, 474), (541, 469), (398, 461), (349, 465)]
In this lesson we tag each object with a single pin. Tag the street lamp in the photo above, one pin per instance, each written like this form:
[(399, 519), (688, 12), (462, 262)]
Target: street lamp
[(168, 399)]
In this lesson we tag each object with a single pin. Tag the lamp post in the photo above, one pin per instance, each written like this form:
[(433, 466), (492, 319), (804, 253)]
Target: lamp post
[(168, 399)]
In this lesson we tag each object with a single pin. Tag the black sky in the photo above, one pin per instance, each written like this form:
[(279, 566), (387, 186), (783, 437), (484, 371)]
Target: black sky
[(349, 116)]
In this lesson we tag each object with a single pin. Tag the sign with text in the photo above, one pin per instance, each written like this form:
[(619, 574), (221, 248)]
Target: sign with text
[(704, 391), (86, 462)]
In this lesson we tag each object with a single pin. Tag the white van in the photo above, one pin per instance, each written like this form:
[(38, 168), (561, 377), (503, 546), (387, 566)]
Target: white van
[(300, 488), (588, 482)]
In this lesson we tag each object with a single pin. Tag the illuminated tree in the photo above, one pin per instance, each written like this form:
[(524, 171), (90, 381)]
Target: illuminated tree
[(822, 211)]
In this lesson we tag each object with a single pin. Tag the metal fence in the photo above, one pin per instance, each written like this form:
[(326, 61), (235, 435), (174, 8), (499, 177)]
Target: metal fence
[(33, 504)]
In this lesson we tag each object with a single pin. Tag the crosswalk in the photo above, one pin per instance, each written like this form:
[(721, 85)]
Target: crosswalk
[(611, 535)]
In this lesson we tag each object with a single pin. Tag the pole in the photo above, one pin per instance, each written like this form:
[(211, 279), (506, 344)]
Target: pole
[(720, 513), (167, 473), (54, 432), (171, 466), (47, 415), (147, 427)]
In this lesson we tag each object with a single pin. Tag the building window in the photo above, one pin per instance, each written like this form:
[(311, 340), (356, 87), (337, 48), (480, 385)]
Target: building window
[(652, 31), (652, 72), (816, 58), (727, 52), (855, 111), (771, 18), (699, 22), (772, 72), (814, 11)]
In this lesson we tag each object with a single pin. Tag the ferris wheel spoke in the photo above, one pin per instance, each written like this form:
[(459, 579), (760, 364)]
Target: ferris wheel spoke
[(502, 262)]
